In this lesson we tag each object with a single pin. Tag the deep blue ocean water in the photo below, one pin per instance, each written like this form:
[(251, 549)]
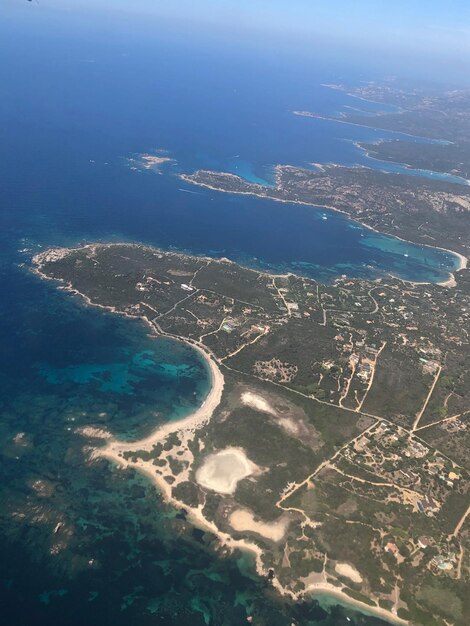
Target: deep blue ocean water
[(77, 100)]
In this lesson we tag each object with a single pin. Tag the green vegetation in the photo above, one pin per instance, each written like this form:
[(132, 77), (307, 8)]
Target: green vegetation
[(327, 392), (441, 600), (359, 596), (188, 493)]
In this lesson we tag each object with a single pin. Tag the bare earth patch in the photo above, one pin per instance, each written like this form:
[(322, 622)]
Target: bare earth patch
[(344, 569), (221, 472), (289, 425), (276, 370), (257, 402), (243, 520)]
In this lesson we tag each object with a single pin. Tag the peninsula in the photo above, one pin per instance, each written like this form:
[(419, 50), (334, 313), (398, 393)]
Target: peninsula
[(334, 442)]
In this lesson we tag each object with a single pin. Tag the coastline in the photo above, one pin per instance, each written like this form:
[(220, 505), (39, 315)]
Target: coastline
[(114, 448), (112, 451), (341, 598), (461, 180), (449, 282), (351, 94), (316, 116), (191, 422)]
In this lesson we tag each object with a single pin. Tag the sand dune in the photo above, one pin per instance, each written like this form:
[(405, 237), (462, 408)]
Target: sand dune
[(244, 520), (344, 569), (222, 471)]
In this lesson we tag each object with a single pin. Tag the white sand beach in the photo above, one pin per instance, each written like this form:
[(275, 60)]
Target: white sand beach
[(190, 423), (226, 471)]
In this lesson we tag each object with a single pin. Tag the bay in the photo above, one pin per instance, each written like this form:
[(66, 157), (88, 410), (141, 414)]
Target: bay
[(78, 102)]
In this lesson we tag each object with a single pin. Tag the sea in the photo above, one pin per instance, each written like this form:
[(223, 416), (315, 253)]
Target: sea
[(81, 99)]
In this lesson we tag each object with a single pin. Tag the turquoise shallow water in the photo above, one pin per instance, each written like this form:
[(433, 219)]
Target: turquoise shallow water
[(64, 152), (121, 556), (157, 370), (76, 103), (157, 385)]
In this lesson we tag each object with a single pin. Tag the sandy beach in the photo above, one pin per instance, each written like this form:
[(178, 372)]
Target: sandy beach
[(191, 423), (114, 449), (463, 263), (341, 598)]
